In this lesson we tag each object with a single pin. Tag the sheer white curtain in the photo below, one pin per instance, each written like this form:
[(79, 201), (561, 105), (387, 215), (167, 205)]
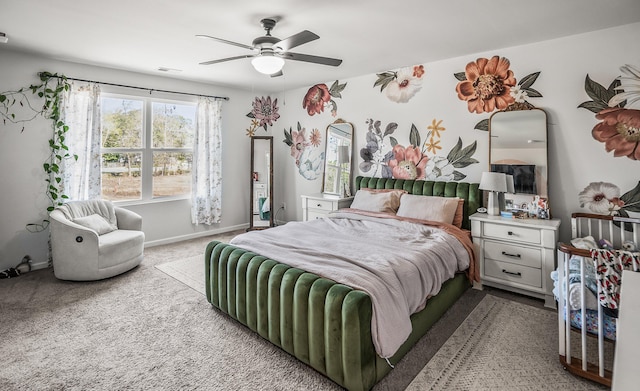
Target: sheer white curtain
[(206, 192), (81, 112)]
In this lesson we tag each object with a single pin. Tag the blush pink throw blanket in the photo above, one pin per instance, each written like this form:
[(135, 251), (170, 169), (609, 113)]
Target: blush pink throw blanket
[(399, 264)]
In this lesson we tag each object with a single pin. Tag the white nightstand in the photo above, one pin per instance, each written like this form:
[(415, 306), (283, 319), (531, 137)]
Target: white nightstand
[(317, 206), (516, 254)]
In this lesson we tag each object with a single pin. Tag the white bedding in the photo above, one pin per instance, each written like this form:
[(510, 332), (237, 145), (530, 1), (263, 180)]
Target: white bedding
[(398, 263)]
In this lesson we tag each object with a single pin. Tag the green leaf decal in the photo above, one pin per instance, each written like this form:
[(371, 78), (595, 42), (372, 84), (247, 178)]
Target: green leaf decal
[(533, 93), (461, 157), (591, 106), (414, 136), (632, 199), (384, 79), (458, 176), (461, 76), (528, 80), (597, 92), (391, 127), (483, 125)]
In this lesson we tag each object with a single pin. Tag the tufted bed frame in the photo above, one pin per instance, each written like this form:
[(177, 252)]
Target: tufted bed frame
[(322, 323)]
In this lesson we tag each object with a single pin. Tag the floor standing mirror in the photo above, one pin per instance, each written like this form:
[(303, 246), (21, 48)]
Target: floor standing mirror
[(338, 167), (261, 205)]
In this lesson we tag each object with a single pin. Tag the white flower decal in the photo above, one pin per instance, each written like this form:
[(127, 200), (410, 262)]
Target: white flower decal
[(601, 197), (402, 85)]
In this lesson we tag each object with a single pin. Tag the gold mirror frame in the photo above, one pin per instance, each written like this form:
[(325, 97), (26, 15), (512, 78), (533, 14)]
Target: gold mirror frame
[(338, 158), (518, 140)]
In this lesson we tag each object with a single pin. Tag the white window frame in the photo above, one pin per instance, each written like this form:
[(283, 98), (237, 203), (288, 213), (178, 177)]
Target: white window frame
[(147, 150)]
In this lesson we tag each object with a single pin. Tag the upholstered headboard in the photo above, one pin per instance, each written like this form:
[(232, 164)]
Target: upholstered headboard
[(467, 191)]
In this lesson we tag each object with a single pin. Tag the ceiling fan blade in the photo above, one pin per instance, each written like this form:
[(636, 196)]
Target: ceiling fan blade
[(226, 59), (314, 59), (225, 41), (277, 74), (295, 40)]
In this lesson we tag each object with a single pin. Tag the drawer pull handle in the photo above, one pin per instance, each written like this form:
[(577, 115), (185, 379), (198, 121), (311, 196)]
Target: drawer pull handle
[(517, 274), (319, 205), (511, 255), (510, 233)]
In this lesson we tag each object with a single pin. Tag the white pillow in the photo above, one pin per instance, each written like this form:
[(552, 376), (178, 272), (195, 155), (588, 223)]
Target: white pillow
[(441, 209), (96, 223), (374, 200)]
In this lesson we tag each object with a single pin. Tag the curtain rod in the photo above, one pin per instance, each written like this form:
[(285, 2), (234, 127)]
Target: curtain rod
[(143, 88)]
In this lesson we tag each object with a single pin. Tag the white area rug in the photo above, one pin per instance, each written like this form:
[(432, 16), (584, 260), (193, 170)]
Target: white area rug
[(189, 271), (502, 345)]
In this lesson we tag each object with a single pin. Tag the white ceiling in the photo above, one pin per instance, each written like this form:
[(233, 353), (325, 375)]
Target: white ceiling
[(369, 35)]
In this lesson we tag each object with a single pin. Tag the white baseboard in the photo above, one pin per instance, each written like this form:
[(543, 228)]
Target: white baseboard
[(196, 235), (175, 239), (39, 265)]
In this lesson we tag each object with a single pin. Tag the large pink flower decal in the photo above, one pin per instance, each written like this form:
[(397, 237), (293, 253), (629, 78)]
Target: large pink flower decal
[(619, 128), (319, 96), (264, 113), (487, 85), (619, 131), (309, 166), (408, 163), (316, 98), (298, 144)]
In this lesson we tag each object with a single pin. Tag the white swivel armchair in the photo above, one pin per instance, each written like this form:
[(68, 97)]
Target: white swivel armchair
[(92, 240)]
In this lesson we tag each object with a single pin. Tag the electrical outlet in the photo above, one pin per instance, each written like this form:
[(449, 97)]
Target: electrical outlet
[(283, 206)]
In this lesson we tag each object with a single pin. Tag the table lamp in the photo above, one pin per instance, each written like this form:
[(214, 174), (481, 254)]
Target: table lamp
[(495, 183)]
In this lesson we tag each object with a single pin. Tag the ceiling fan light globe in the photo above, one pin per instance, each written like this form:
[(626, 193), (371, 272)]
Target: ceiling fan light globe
[(267, 65)]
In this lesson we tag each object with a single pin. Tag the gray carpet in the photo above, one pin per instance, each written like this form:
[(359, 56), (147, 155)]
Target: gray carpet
[(145, 330)]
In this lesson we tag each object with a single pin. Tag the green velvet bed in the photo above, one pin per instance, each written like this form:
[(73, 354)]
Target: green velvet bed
[(322, 323)]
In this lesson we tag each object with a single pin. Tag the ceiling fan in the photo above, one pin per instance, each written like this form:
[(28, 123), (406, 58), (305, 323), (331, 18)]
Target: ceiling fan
[(270, 52)]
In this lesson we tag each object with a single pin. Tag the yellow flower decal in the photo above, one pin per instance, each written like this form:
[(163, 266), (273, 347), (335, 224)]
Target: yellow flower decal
[(435, 128), (432, 145), (251, 131)]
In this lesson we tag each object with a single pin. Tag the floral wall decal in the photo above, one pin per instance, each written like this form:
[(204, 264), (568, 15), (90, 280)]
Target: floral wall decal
[(619, 128), (302, 146), (400, 86), (489, 84), (413, 161), (319, 96), (604, 198), (264, 113)]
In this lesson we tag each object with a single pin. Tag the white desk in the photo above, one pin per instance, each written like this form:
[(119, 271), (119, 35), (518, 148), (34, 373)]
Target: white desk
[(626, 375)]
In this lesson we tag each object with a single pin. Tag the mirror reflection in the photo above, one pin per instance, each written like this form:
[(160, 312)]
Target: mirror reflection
[(518, 147), (261, 206), (338, 157)]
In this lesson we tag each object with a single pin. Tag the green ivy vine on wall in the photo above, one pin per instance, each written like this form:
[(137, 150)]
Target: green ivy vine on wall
[(50, 91)]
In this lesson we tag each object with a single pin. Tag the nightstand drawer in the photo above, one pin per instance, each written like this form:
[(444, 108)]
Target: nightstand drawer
[(320, 204), (525, 256), (513, 273), (512, 233), (313, 214)]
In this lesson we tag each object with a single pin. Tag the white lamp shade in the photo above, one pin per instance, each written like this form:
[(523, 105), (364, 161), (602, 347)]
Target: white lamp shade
[(510, 187), (493, 181), (267, 64)]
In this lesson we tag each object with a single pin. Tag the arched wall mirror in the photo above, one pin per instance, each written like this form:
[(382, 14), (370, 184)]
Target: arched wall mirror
[(338, 156), (518, 147), (261, 205)]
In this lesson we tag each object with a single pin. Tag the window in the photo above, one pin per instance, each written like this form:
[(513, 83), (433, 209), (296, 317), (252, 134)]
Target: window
[(146, 148)]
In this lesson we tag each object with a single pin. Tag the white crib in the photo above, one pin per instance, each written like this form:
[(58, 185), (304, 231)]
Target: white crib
[(584, 353)]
